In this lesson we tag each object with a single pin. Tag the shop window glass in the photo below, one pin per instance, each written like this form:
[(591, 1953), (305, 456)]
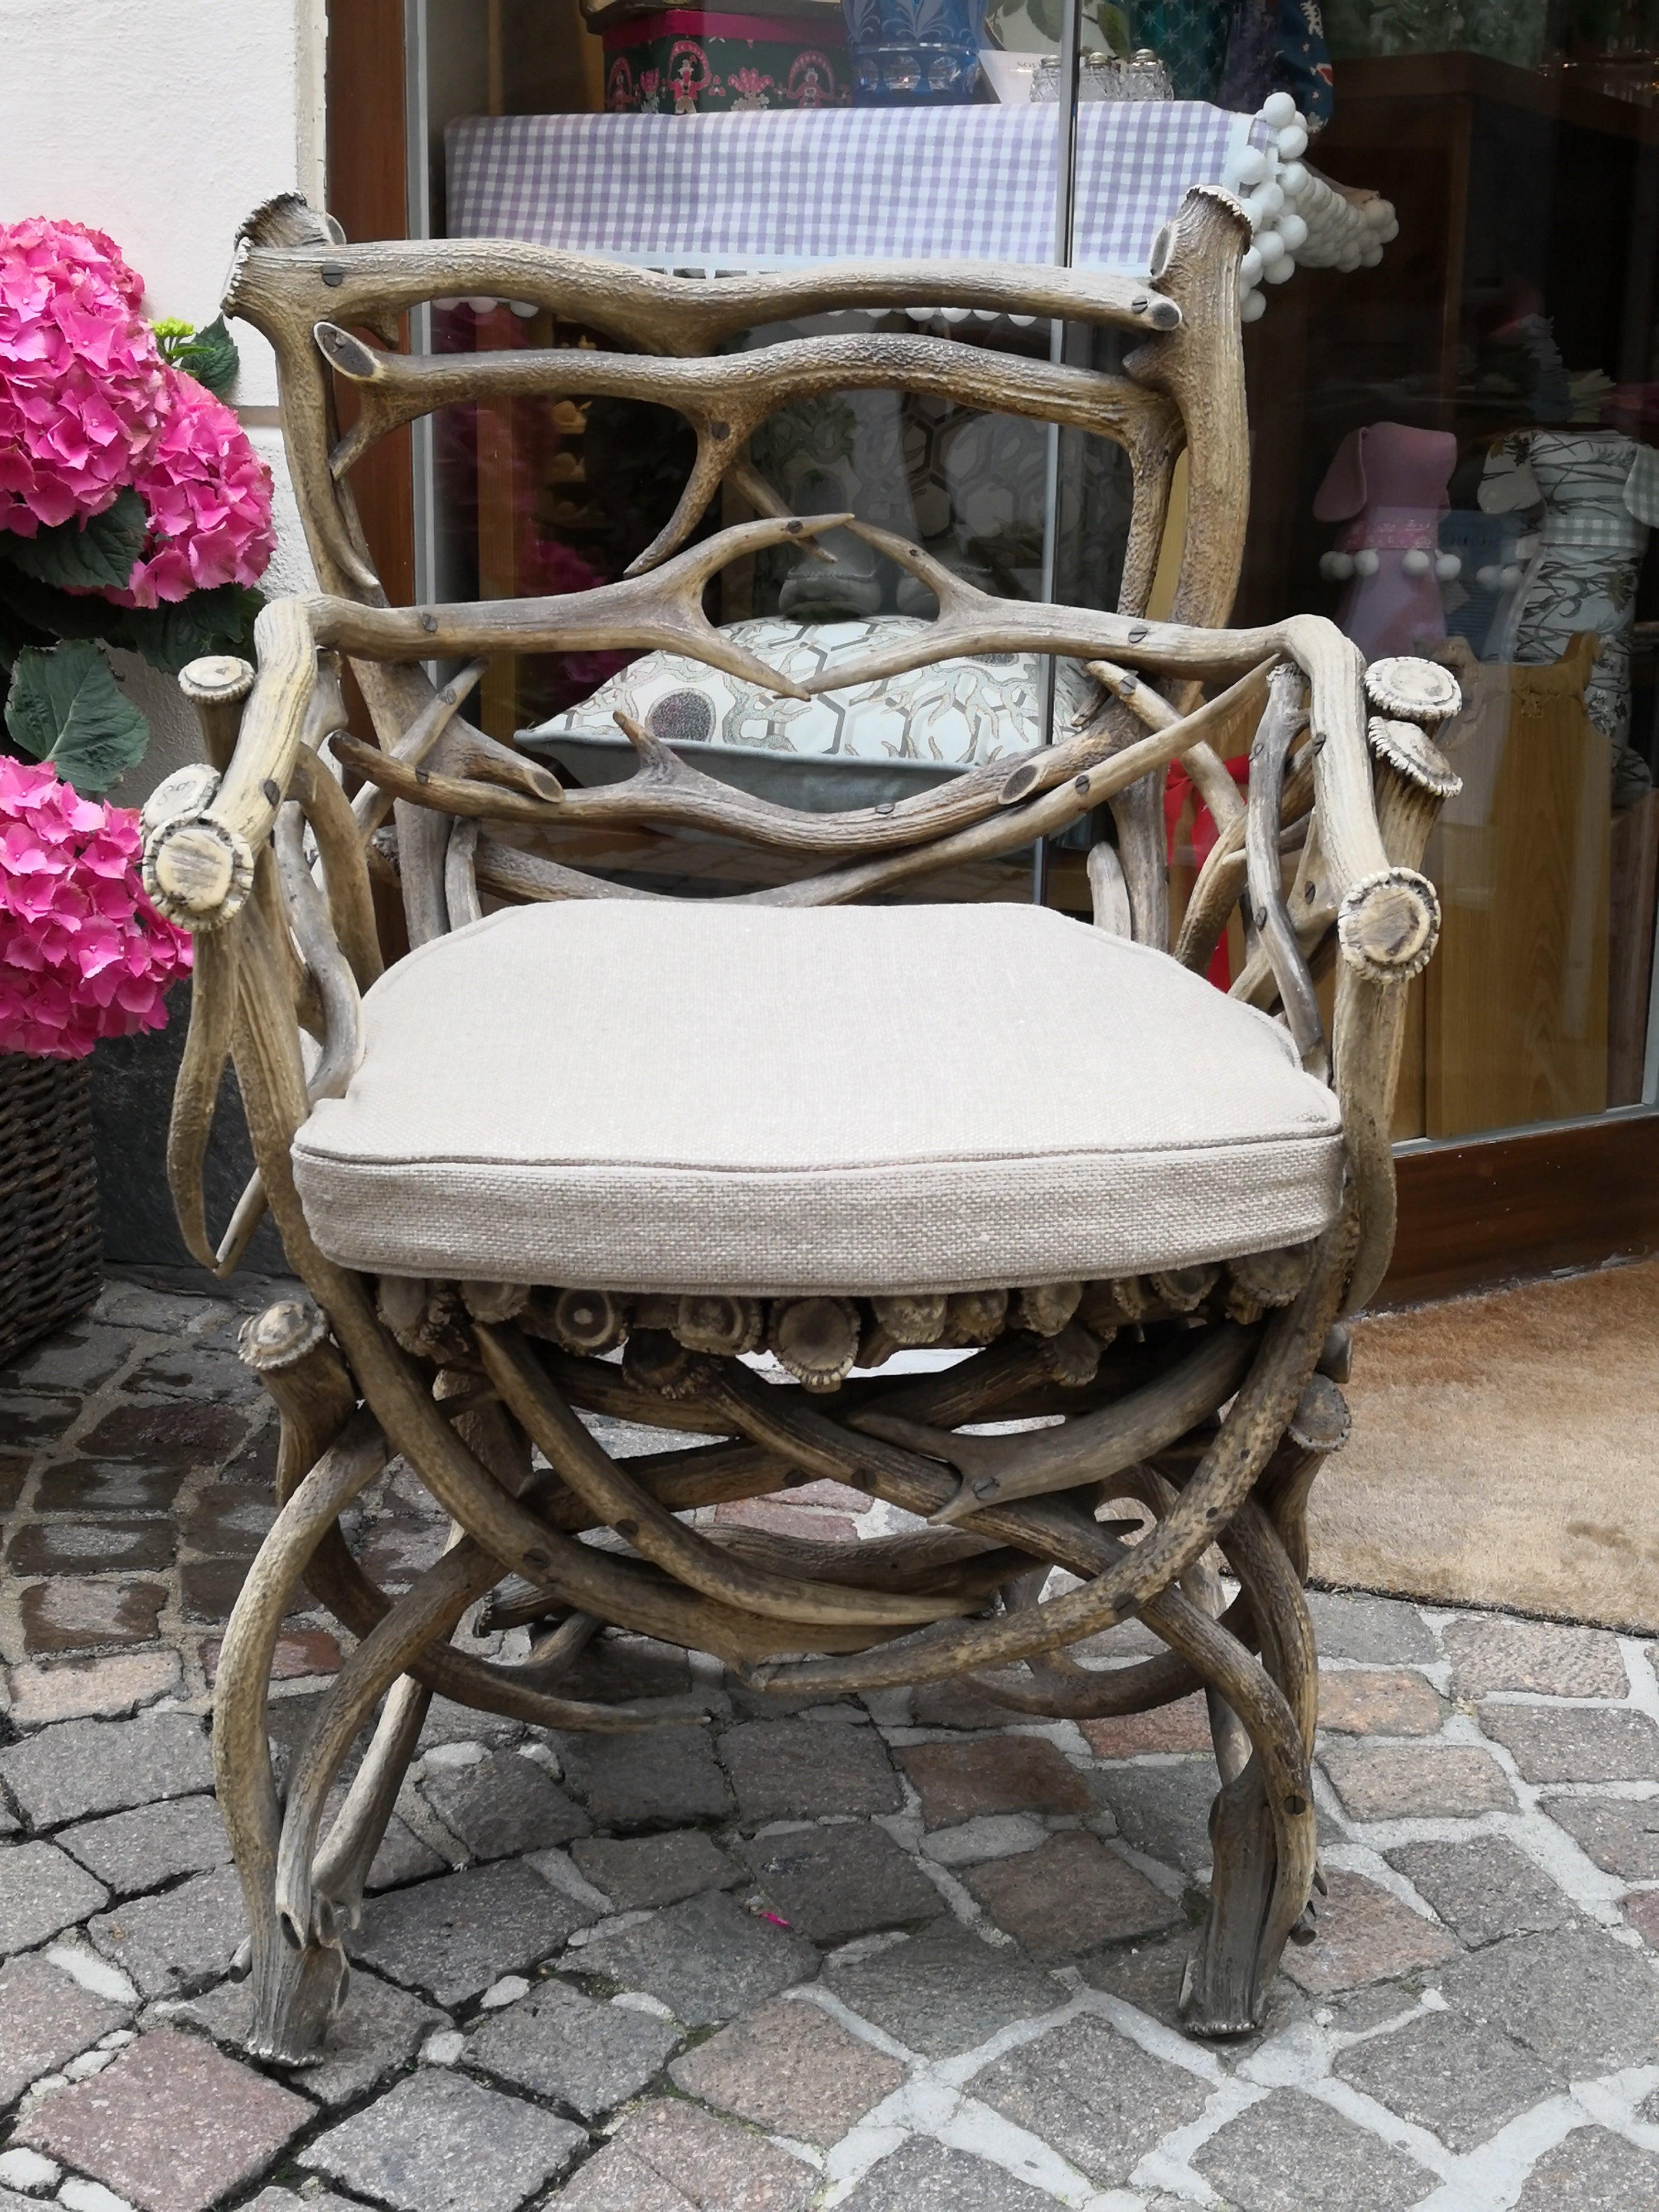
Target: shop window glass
[(1452, 345)]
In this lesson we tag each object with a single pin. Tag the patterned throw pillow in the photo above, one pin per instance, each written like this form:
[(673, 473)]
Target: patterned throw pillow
[(942, 718)]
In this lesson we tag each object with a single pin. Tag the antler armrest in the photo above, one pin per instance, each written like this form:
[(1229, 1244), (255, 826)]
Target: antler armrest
[(203, 825)]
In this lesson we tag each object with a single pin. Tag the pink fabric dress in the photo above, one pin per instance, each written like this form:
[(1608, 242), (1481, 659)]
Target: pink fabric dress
[(1387, 487)]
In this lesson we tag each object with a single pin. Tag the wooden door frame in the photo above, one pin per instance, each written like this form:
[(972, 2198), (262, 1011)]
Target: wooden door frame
[(1471, 1215), (367, 188)]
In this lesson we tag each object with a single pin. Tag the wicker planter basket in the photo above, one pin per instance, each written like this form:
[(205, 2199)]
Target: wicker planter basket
[(50, 1247)]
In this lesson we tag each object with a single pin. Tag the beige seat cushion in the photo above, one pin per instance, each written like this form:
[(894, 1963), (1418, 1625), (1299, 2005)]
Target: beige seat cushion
[(681, 1096)]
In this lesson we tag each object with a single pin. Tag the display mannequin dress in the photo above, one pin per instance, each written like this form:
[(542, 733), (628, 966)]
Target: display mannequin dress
[(1599, 491), (1387, 487)]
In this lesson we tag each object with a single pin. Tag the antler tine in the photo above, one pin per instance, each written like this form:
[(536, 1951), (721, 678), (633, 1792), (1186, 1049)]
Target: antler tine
[(716, 453), (745, 477), (363, 369), (677, 590), (951, 591)]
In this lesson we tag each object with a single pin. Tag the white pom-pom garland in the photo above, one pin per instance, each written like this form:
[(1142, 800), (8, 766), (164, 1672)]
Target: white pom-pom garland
[(1298, 218)]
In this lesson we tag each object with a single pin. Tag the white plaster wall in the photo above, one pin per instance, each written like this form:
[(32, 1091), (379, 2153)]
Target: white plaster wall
[(163, 122)]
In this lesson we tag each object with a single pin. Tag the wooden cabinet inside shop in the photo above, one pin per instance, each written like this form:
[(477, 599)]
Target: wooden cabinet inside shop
[(1510, 187)]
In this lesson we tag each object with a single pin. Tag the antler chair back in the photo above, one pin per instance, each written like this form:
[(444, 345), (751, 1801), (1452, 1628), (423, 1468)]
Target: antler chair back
[(596, 1119)]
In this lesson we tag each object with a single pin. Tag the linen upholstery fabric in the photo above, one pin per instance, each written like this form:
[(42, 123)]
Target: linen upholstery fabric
[(683, 1096)]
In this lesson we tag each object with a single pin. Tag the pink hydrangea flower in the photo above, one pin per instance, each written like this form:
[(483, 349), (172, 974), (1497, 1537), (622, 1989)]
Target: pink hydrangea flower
[(83, 395), (83, 954), (208, 496)]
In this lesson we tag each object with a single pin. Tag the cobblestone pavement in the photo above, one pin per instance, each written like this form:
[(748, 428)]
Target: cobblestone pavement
[(899, 1957)]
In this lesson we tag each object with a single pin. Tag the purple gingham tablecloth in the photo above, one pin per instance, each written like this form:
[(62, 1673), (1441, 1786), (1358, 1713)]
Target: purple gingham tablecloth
[(757, 191)]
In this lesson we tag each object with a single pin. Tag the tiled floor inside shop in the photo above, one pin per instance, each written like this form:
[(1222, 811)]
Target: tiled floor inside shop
[(906, 1956)]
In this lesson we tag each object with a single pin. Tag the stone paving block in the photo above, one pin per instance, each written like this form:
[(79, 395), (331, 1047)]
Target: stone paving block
[(709, 2163), (1397, 1782), (179, 1940), (993, 1836), (1641, 1909), (1484, 1889), (42, 1890), (377, 2029), (1150, 1976), (1592, 2170), (254, 1460), (615, 1668), (790, 2070), (503, 1805), (943, 1991), (209, 1588), (148, 1434), (1164, 1811), (45, 2019), (69, 1614), (93, 1485), (1493, 1651), (75, 1361), (616, 2181), (1097, 2097), (956, 1782), (557, 2043), (141, 1849), (923, 2175), (778, 1518), (80, 1767), (439, 2142), (403, 1856), (1380, 1632), (1577, 1999), (707, 1960), (289, 2200), (959, 1705), (1377, 1701), (1462, 2079), (1068, 1896), (662, 1778), (834, 1883), (1183, 1726), (202, 1373), (288, 1723), (1364, 1934), (229, 1520), (172, 2126), (799, 1770), (1293, 2154), (839, 1497), (13, 1473), (644, 1871), (299, 1652), (106, 1546), (33, 1420), (1620, 1834), (1576, 1743), (82, 1689), (401, 1551), (448, 1723), (453, 1937), (135, 1305)]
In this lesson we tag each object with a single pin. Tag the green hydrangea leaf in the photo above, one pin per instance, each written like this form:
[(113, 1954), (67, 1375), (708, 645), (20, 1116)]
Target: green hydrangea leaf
[(172, 636), (84, 555), (44, 608), (209, 356), (64, 706)]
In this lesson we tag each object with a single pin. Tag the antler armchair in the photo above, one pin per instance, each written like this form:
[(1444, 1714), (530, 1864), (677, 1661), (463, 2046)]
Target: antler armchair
[(593, 1150)]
